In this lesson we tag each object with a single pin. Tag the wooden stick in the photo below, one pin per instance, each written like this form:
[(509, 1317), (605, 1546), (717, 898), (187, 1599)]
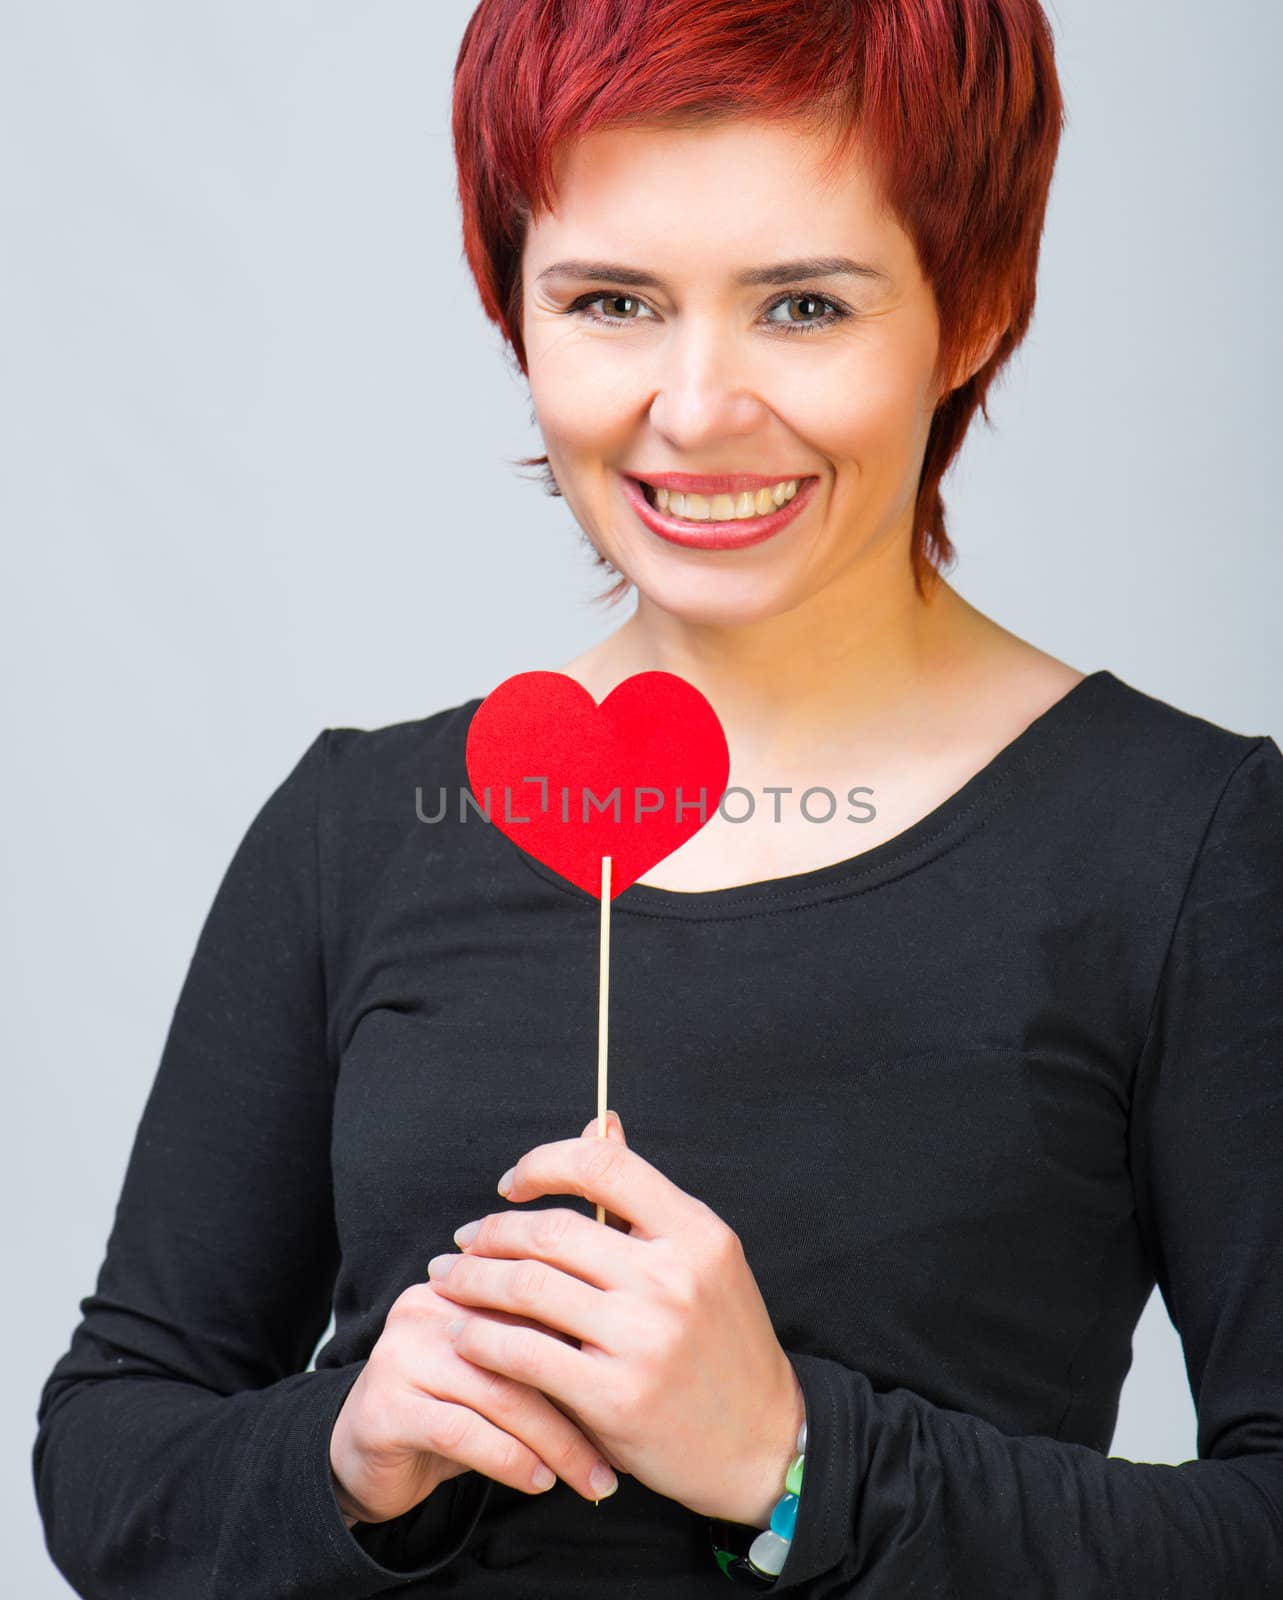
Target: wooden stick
[(603, 991)]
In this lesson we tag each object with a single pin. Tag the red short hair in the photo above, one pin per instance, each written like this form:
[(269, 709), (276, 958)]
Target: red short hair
[(957, 101)]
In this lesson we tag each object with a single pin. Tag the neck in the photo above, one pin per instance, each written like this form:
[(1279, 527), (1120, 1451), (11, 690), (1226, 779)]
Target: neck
[(848, 660)]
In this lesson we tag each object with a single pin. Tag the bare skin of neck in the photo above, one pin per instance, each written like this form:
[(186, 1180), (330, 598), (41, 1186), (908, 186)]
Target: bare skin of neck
[(909, 702)]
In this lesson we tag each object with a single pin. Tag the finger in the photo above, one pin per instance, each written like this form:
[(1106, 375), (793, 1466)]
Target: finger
[(449, 1309), (564, 1239), (529, 1356), (592, 1438), (530, 1288), (610, 1173), (507, 1432), (515, 1414), (614, 1128)]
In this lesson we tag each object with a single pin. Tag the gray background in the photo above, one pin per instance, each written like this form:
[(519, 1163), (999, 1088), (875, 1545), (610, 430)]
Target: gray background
[(255, 430)]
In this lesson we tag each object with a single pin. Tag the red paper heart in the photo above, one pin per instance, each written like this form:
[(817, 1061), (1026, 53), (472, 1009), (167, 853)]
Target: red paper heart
[(653, 732)]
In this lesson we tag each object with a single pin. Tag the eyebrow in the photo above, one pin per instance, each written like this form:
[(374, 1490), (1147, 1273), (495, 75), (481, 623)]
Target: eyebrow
[(775, 272)]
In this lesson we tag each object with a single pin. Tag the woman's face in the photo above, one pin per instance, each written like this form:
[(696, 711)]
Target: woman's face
[(650, 352)]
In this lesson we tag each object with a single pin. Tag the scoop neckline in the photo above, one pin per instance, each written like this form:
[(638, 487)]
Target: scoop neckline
[(937, 830)]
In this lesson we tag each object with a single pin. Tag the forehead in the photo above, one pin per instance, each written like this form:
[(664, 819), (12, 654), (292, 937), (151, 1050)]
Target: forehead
[(690, 198)]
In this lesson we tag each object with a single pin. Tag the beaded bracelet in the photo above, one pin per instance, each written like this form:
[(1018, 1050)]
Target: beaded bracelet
[(762, 1563)]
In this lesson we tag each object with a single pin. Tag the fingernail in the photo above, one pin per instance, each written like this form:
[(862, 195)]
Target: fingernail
[(544, 1477), (602, 1481), (505, 1183), (439, 1266), (467, 1233), (455, 1327)]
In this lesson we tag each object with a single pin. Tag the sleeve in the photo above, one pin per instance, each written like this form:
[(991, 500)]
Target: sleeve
[(182, 1447), (905, 1497)]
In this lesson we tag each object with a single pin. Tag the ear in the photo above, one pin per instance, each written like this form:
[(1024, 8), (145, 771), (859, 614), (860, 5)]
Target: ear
[(976, 358), (986, 353)]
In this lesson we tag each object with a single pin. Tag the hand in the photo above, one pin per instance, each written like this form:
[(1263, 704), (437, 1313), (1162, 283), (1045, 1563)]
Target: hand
[(420, 1413), (678, 1375)]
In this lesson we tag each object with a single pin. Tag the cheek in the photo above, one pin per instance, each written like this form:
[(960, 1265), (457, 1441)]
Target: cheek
[(867, 442), (581, 393), (855, 402), (869, 419)]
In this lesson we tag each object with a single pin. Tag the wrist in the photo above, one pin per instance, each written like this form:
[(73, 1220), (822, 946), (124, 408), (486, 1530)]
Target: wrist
[(754, 1553), (346, 1505), (751, 1498), (777, 1453)]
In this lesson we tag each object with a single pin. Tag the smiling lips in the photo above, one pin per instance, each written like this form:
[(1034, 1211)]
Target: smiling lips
[(716, 482), (720, 531)]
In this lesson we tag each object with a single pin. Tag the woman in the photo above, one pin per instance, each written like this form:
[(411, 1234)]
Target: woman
[(918, 1111)]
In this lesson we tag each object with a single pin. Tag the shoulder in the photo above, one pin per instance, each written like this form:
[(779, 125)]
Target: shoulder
[(1129, 762), (1160, 749), (372, 790), (1170, 733), (370, 762), (1157, 787), (1132, 736), (373, 786)]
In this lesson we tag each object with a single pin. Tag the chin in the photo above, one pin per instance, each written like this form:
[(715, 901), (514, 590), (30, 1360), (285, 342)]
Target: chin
[(714, 599)]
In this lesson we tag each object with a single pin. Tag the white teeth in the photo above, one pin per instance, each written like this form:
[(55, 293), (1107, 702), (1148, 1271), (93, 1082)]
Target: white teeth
[(725, 507)]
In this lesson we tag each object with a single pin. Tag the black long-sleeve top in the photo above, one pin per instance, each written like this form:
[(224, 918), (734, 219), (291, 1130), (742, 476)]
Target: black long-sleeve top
[(965, 1097)]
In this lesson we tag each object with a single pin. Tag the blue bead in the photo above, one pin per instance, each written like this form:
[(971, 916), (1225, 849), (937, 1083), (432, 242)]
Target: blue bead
[(784, 1517)]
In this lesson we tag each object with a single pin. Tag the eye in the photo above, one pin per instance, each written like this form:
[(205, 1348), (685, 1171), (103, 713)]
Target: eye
[(809, 324), (580, 306)]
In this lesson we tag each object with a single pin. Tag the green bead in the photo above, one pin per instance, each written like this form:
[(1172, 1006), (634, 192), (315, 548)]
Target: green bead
[(793, 1477)]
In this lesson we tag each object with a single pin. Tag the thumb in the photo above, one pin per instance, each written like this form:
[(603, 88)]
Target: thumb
[(614, 1128)]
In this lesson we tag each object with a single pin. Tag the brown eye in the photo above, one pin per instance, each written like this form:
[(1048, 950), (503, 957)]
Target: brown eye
[(582, 307), (628, 308), (812, 317)]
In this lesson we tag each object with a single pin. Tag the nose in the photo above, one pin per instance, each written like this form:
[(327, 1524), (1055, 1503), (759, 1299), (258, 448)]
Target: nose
[(703, 389)]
